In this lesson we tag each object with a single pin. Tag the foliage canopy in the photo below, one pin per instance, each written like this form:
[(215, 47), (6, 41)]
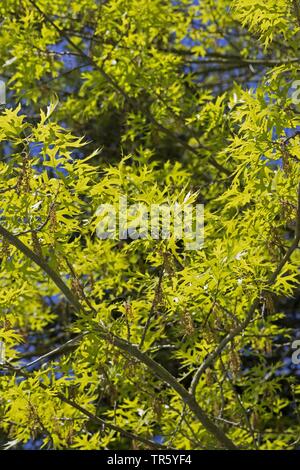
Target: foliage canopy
[(117, 344)]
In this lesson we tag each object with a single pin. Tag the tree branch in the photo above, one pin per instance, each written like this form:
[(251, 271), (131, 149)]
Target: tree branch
[(15, 241), (125, 346), (90, 415), (55, 351), (168, 378)]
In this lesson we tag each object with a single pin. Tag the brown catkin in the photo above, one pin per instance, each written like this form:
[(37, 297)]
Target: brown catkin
[(187, 322), (157, 408), (52, 218), (23, 183), (36, 244), (287, 210), (286, 158), (168, 264), (128, 309), (234, 362), (209, 377), (269, 303), (268, 347), (5, 248), (77, 288)]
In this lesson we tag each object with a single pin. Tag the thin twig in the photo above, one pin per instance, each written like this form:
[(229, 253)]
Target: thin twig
[(55, 351), (153, 306), (90, 415)]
